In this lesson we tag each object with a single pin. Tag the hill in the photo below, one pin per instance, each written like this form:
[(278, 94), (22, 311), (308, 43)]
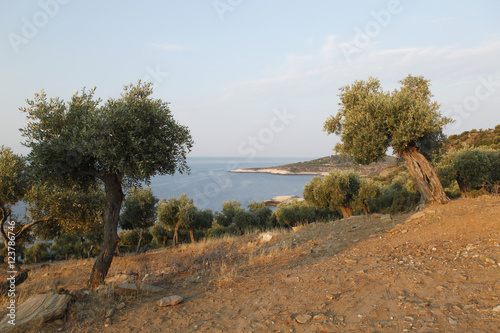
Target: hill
[(324, 165), (431, 271), (476, 138)]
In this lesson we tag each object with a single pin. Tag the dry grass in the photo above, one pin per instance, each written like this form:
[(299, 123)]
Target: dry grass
[(222, 259), (214, 262)]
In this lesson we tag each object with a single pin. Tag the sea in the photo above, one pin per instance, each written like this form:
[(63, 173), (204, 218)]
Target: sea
[(210, 183)]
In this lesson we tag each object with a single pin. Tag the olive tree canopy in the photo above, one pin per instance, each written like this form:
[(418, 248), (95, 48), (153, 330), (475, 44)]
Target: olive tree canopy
[(371, 120), (123, 141)]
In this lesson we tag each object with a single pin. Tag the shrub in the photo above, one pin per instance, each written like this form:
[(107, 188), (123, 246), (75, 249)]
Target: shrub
[(469, 167), (335, 191), (38, 252), (300, 212), (395, 198)]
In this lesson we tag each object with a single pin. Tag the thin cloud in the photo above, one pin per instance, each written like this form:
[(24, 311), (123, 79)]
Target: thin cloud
[(327, 69)]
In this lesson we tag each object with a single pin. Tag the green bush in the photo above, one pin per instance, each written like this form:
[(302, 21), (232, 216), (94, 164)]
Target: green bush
[(129, 240), (36, 253), (219, 231), (394, 199), (300, 212), (470, 168)]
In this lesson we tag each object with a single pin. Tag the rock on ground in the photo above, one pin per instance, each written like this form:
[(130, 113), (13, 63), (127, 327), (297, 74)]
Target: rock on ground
[(126, 289), (38, 309), (170, 301)]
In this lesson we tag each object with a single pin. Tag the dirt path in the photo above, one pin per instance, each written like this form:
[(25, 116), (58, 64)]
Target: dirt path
[(435, 273)]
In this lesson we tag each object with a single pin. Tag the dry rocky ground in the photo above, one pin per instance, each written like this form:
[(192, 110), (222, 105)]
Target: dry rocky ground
[(433, 271)]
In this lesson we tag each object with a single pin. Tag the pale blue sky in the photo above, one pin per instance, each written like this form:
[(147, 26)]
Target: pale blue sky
[(251, 77)]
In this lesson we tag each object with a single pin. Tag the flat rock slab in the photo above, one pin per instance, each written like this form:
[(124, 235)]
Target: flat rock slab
[(303, 319), (119, 278), (126, 289), (386, 218), (170, 301), (148, 288), (38, 309), (417, 216)]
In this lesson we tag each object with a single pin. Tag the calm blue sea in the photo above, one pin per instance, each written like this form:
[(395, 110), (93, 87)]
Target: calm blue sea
[(210, 183)]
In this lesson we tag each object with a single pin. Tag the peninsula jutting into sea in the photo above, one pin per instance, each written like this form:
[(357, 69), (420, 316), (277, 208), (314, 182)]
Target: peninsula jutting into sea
[(322, 166)]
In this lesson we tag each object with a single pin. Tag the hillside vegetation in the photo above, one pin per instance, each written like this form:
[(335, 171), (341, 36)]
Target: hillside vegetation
[(329, 163), (324, 165), (476, 138)]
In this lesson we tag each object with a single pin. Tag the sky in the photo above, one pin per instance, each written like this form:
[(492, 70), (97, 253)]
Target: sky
[(250, 78)]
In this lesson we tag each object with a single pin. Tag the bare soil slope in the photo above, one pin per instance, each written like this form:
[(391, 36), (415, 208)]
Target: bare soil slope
[(436, 271)]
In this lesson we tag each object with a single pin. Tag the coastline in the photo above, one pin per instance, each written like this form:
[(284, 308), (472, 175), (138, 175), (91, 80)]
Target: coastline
[(322, 166), (276, 171)]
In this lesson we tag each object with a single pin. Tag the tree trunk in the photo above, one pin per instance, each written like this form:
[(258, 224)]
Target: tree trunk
[(425, 177), (139, 243), (346, 210), (464, 186), (19, 278), (366, 209), (191, 233), (114, 199), (90, 251), (176, 234), (165, 240)]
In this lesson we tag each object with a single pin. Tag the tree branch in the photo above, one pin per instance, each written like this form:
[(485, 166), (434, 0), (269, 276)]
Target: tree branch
[(29, 225)]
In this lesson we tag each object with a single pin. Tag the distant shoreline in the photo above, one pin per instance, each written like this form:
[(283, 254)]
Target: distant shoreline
[(322, 166), (276, 171)]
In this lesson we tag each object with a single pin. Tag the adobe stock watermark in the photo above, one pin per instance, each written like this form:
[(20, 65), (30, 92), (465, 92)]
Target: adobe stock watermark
[(222, 7), (31, 26), (364, 36), (156, 75), (11, 271), (470, 104), (266, 135), (247, 148)]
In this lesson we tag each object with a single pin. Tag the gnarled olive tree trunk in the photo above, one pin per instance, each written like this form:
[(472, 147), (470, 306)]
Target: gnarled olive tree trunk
[(463, 185), (426, 179), (346, 210), (175, 241), (114, 199)]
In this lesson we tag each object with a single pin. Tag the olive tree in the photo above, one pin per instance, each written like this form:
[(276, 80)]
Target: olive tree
[(263, 215), (13, 186), (229, 209), (176, 213), (193, 219), (60, 210), (470, 167), (139, 211), (295, 212), (123, 142), (335, 191), (371, 120), (368, 190), (38, 252), (202, 220)]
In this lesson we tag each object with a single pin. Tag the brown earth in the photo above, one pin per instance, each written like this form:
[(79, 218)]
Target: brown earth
[(432, 272)]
